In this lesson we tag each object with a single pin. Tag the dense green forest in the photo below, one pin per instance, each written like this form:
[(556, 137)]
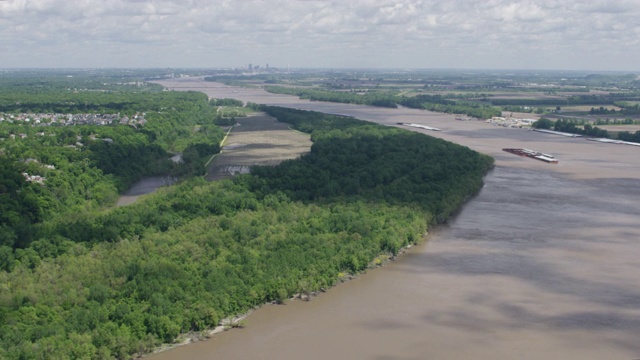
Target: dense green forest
[(116, 282), (358, 160), (75, 167)]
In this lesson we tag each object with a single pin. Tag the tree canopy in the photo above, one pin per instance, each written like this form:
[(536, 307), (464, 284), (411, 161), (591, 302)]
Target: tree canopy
[(116, 282)]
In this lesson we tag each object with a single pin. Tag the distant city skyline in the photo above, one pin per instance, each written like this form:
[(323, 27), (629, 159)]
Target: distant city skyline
[(457, 34)]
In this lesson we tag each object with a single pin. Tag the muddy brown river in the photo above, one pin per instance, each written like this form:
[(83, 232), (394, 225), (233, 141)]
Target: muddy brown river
[(544, 263)]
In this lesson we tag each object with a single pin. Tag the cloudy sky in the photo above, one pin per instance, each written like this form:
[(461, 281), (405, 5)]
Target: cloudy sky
[(470, 34)]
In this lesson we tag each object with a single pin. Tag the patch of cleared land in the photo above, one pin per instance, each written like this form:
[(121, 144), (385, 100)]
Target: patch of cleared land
[(589, 107), (619, 128), (521, 115), (257, 140)]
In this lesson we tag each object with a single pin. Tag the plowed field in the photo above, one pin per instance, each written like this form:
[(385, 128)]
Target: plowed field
[(257, 140)]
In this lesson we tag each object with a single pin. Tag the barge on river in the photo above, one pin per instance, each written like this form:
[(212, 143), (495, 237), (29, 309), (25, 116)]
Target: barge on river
[(533, 154)]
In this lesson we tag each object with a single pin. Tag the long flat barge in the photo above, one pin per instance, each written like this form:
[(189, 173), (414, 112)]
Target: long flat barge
[(420, 126), (612, 141), (533, 154), (557, 133)]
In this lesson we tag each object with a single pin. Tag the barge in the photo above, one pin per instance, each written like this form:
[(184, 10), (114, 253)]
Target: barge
[(557, 133), (533, 154), (420, 126)]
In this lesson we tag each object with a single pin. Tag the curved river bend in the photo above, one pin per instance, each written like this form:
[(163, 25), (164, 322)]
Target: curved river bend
[(543, 263)]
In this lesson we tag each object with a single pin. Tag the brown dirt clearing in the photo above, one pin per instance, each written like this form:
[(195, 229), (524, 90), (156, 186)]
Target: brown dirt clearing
[(257, 140)]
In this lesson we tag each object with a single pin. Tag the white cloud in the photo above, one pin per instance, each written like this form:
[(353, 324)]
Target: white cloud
[(331, 33)]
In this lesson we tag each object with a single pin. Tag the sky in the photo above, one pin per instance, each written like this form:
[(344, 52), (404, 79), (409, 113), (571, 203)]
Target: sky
[(441, 34)]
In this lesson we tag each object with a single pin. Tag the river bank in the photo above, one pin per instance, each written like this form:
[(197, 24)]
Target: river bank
[(240, 321), (479, 287), (541, 264), (194, 337)]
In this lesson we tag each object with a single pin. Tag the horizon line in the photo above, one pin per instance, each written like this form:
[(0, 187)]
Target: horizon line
[(315, 68)]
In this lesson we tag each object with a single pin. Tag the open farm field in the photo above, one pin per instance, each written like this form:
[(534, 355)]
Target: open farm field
[(620, 128), (587, 108), (527, 95), (257, 140), (521, 115)]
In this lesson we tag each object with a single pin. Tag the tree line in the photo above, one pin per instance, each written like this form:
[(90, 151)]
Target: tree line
[(620, 100), (391, 99), (363, 161), (85, 167), (116, 282), (573, 126)]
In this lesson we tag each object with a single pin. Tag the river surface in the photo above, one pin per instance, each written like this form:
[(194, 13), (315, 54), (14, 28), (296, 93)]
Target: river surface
[(542, 264)]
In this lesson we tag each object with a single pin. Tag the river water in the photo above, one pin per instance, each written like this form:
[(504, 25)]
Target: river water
[(542, 264)]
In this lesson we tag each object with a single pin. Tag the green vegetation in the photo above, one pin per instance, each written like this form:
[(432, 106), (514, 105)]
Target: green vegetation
[(569, 126), (628, 136), (392, 100), (441, 104), (352, 159), (479, 94), (126, 297), (580, 127), (108, 283), (629, 108), (74, 167), (542, 123), (373, 98)]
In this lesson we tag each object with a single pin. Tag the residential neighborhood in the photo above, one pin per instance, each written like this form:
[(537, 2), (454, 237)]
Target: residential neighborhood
[(74, 119)]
